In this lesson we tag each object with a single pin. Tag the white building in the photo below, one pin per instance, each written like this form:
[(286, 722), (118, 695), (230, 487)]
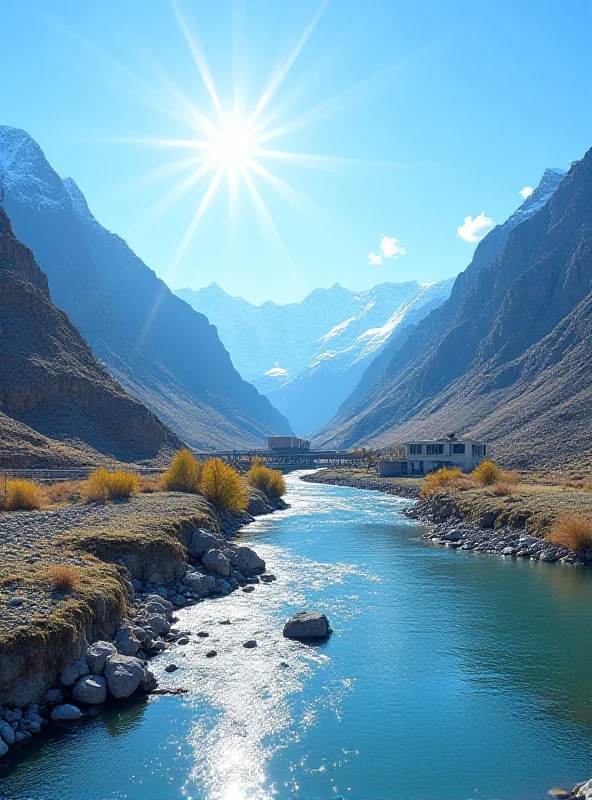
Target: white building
[(426, 455)]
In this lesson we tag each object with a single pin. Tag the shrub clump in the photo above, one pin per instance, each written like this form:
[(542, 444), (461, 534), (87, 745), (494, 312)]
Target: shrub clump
[(63, 577), (21, 495), (439, 480), (103, 485), (184, 473), (487, 473), (223, 487), (269, 481), (573, 532)]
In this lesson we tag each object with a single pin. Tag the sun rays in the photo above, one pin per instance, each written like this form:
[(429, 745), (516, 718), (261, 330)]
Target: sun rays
[(226, 145)]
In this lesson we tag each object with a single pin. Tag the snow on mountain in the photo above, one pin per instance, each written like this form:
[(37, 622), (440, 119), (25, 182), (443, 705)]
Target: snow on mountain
[(309, 355)]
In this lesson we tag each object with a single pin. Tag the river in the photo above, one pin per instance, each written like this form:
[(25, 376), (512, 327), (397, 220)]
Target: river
[(449, 675)]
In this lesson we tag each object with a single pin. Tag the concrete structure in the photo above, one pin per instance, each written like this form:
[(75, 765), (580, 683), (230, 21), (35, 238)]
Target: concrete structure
[(423, 456), (287, 444)]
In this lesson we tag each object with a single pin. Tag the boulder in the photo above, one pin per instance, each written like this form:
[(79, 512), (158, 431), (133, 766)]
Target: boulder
[(209, 582), (66, 712), (126, 642), (97, 655), (307, 625), (124, 674), (195, 582), (215, 561), (249, 563), (72, 672), (148, 682), (91, 689), (201, 541), (158, 624), (3, 748), (6, 732)]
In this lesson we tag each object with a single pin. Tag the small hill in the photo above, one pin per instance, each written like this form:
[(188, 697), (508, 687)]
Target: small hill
[(58, 405)]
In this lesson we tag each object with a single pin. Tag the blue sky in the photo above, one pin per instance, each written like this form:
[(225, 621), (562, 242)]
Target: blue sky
[(458, 104)]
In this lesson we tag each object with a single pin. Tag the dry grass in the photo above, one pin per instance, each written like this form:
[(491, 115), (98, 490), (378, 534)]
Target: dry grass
[(270, 481), (502, 489), (440, 480), (63, 577), (574, 532), (63, 492), (103, 485), (184, 473), (487, 473), (223, 487), (21, 495), (149, 485)]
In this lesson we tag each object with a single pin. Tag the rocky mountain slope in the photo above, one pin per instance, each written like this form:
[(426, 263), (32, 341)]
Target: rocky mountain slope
[(506, 357), (161, 351), (307, 357), (58, 406)]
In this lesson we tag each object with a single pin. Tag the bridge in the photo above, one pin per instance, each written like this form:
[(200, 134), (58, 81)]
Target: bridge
[(242, 459), (276, 458)]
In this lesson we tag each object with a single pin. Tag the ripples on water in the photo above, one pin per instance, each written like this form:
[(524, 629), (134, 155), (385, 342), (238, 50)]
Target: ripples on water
[(449, 676)]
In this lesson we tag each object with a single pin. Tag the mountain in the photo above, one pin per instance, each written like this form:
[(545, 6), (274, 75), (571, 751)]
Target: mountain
[(159, 349), (58, 406), (507, 357), (307, 357)]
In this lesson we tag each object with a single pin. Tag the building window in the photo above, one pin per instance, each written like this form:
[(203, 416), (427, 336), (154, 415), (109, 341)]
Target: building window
[(435, 449), (458, 449), (414, 449), (478, 450)]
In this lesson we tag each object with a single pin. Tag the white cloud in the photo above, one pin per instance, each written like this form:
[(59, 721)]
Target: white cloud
[(374, 259), (276, 372), (391, 247), (526, 192), (474, 229)]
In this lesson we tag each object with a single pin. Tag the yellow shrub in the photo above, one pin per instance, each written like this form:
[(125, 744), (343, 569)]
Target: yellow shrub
[(439, 480), (572, 532), (21, 495), (223, 487), (184, 473), (270, 481), (63, 577), (123, 484), (103, 485), (487, 473)]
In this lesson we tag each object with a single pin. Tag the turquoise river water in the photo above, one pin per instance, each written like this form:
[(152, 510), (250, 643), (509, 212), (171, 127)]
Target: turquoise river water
[(449, 676)]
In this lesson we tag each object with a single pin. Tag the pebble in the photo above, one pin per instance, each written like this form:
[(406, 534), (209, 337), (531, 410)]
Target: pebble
[(183, 640), (171, 668), (211, 654), (250, 644)]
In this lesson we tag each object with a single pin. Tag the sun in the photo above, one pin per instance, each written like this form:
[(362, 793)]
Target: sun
[(233, 145)]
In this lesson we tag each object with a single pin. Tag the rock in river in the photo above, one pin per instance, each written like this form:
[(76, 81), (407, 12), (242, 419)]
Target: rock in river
[(91, 689), (307, 625), (66, 712), (124, 674)]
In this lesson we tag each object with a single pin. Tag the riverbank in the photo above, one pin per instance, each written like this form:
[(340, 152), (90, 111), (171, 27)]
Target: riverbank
[(368, 480), (478, 519), (110, 573)]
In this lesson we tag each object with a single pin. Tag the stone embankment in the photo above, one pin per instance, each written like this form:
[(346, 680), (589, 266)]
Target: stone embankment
[(452, 529), (64, 652), (359, 479)]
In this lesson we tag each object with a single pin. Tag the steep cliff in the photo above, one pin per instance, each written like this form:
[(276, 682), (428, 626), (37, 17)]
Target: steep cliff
[(58, 405), (505, 357)]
